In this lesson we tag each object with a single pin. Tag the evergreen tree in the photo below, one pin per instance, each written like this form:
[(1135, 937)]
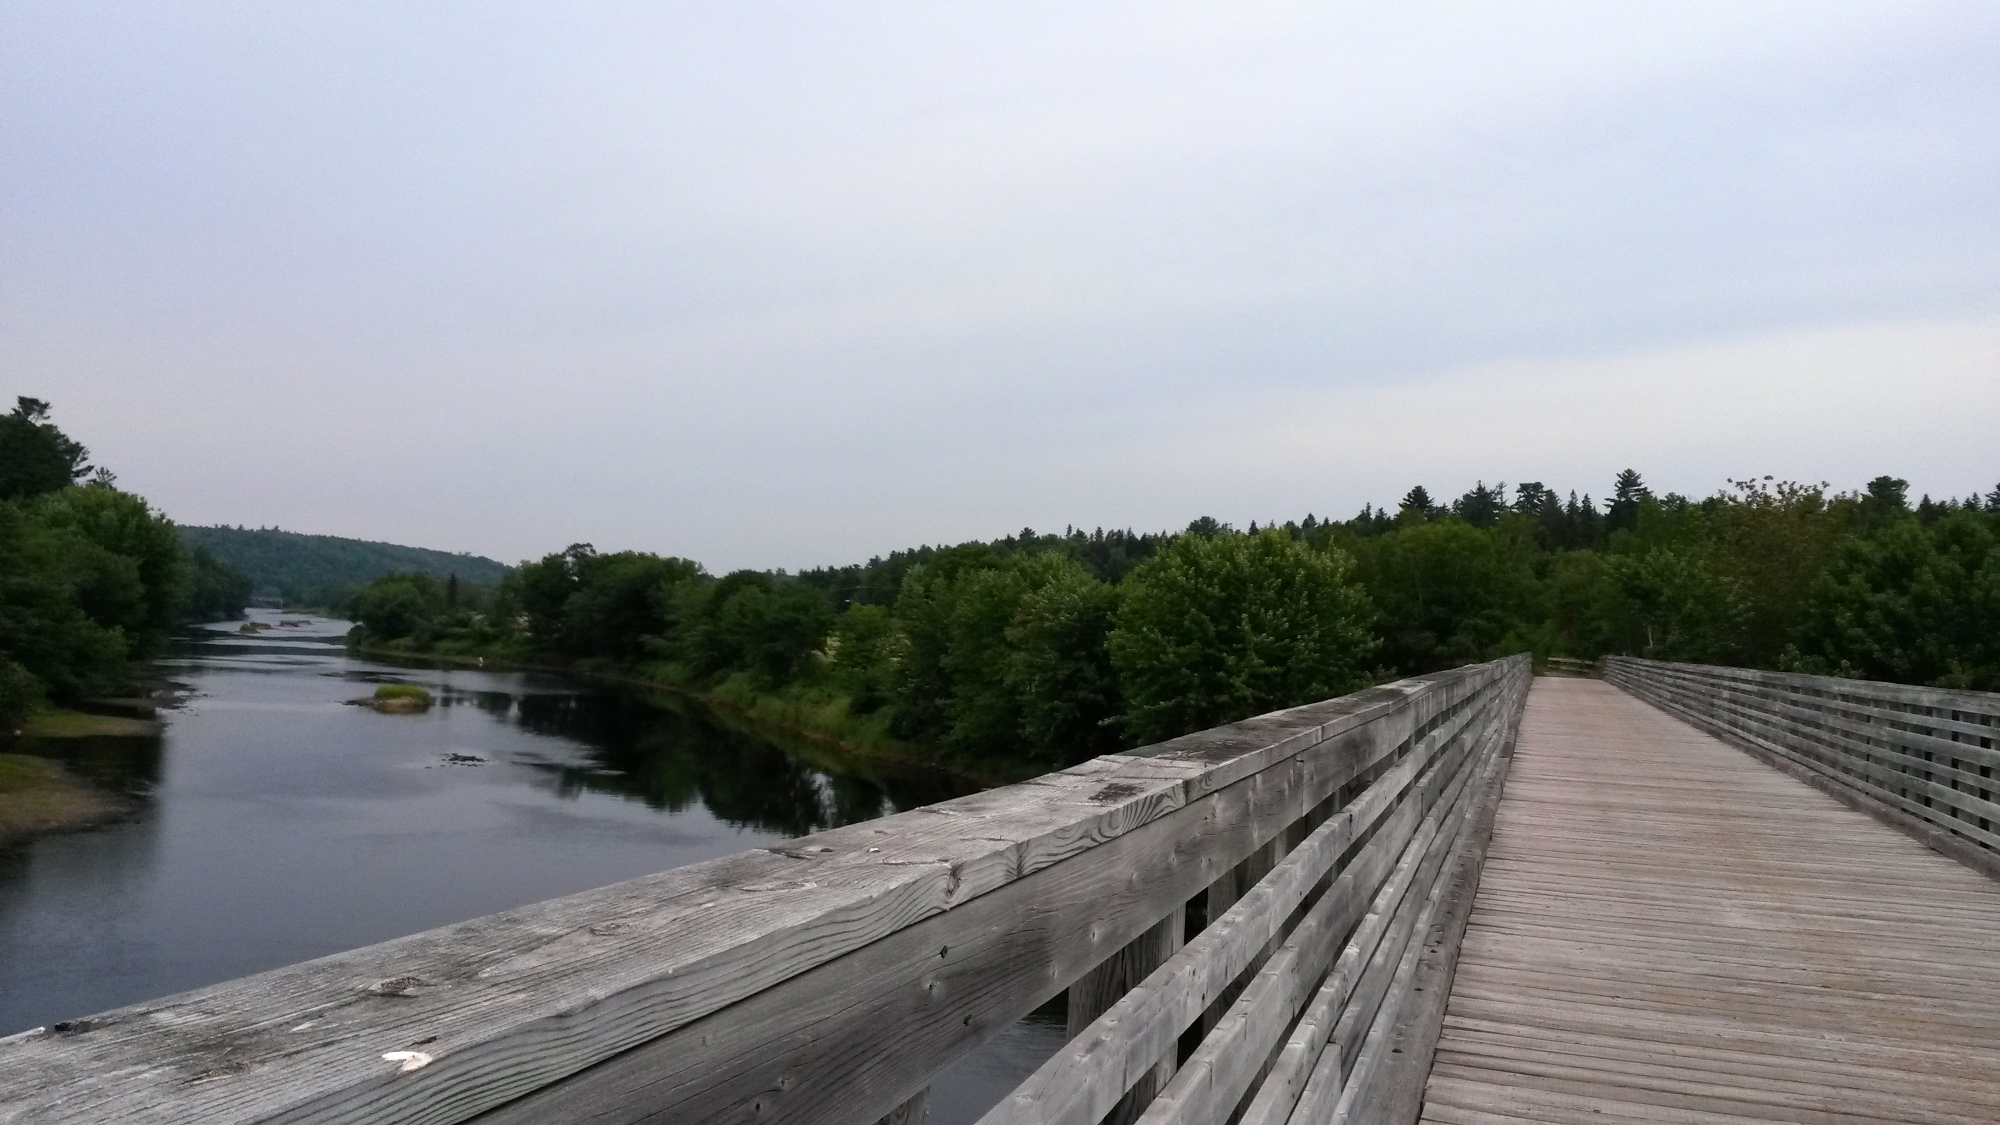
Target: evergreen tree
[(1416, 506), (1622, 510), (35, 457), (1483, 506)]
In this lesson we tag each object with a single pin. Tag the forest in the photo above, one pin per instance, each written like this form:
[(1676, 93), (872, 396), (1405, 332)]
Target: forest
[(326, 571), (91, 578), (1051, 648)]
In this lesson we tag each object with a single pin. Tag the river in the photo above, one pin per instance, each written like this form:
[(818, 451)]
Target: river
[(279, 824)]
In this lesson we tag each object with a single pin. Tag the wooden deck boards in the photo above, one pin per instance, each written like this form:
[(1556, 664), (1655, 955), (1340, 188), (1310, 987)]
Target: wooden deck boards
[(1669, 930)]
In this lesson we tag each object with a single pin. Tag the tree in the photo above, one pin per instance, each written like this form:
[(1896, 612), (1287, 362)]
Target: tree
[(1060, 670), (1886, 499), (216, 591), (1911, 605), (136, 579), (1622, 510), (1770, 539), (1483, 506), (867, 648), (542, 591), (35, 456), (615, 606), (1416, 506), (1671, 604), (925, 609), (399, 606), (49, 644), (1448, 593), (757, 623), (1214, 630), (1543, 510)]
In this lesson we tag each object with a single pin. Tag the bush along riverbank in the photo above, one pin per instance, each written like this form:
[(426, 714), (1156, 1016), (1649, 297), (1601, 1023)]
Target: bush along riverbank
[(988, 664), (812, 723)]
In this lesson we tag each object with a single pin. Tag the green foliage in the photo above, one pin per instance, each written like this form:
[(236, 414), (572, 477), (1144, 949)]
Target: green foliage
[(1059, 667), (399, 606), (21, 693), (1448, 593), (73, 611), (325, 570), (131, 573), (216, 591), (1671, 604), (867, 649), (415, 693), (1214, 630), (751, 621), (90, 577), (1910, 604), (1044, 648), (35, 456)]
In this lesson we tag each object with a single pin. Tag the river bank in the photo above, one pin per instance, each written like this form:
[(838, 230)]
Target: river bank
[(810, 723), (38, 797)]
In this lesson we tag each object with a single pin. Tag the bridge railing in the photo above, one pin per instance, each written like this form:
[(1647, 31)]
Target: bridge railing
[(1922, 759), (1264, 913)]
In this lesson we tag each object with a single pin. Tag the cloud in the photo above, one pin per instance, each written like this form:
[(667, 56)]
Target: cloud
[(784, 284)]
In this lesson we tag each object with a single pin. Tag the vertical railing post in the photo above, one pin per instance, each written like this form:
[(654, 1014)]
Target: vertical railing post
[(1097, 990)]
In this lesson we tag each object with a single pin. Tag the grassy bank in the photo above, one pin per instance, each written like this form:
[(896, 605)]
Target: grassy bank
[(38, 796), (58, 723)]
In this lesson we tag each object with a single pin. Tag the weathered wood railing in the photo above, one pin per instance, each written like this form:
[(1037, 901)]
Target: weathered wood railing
[(1263, 915), (1922, 759)]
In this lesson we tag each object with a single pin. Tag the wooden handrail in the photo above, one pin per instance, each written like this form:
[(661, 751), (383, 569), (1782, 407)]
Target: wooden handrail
[(829, 978)]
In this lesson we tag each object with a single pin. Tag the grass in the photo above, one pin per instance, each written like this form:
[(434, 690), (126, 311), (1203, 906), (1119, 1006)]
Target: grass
[(37, 795), (400, 699), (58, 723), (403, 691)]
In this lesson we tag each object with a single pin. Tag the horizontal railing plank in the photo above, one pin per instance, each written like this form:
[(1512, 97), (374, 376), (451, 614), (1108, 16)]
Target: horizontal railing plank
[(1854, 739), (737, 988)]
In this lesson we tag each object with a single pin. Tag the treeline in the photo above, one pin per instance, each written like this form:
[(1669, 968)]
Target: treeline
[(326, 571), (91, 578), (1058, 647)]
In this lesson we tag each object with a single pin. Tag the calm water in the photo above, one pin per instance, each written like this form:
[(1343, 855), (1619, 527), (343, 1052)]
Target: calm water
[(279, 824)]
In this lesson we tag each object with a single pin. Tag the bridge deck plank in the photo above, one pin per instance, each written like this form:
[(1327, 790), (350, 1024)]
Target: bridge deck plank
[(1669, 930)]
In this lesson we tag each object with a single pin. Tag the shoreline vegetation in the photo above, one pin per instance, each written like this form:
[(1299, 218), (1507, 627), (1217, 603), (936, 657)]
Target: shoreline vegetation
[(819, 732), (1036, 651)]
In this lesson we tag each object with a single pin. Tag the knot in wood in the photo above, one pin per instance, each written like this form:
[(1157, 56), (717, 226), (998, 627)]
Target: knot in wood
[(400, 987)]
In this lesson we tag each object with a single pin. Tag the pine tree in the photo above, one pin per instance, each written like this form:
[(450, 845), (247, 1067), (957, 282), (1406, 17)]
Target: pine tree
[(1622, 512)]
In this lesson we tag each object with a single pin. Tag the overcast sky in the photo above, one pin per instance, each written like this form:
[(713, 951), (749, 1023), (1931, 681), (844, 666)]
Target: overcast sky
[(781, 285)]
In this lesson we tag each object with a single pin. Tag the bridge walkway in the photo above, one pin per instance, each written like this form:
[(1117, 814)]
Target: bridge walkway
[(1669, 930)]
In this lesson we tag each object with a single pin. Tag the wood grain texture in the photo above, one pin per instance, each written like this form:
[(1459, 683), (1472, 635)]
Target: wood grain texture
[(1919, 759), (1250, 939), (822, 980), (1667, 929)]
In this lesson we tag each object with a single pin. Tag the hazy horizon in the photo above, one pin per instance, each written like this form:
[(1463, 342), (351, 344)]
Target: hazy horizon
[(784, 286)]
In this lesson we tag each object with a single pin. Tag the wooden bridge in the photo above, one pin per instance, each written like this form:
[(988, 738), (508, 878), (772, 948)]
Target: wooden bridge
[(1675, 894)]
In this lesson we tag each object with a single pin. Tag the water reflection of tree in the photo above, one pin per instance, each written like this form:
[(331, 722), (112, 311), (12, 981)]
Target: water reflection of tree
[(121, 763), (666, 753)]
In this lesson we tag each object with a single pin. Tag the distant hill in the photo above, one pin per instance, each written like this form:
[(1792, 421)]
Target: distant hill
[(324, 570)]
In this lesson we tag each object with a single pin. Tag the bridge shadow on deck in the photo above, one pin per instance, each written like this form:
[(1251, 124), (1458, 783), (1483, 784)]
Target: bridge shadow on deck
[(1669, 930)]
